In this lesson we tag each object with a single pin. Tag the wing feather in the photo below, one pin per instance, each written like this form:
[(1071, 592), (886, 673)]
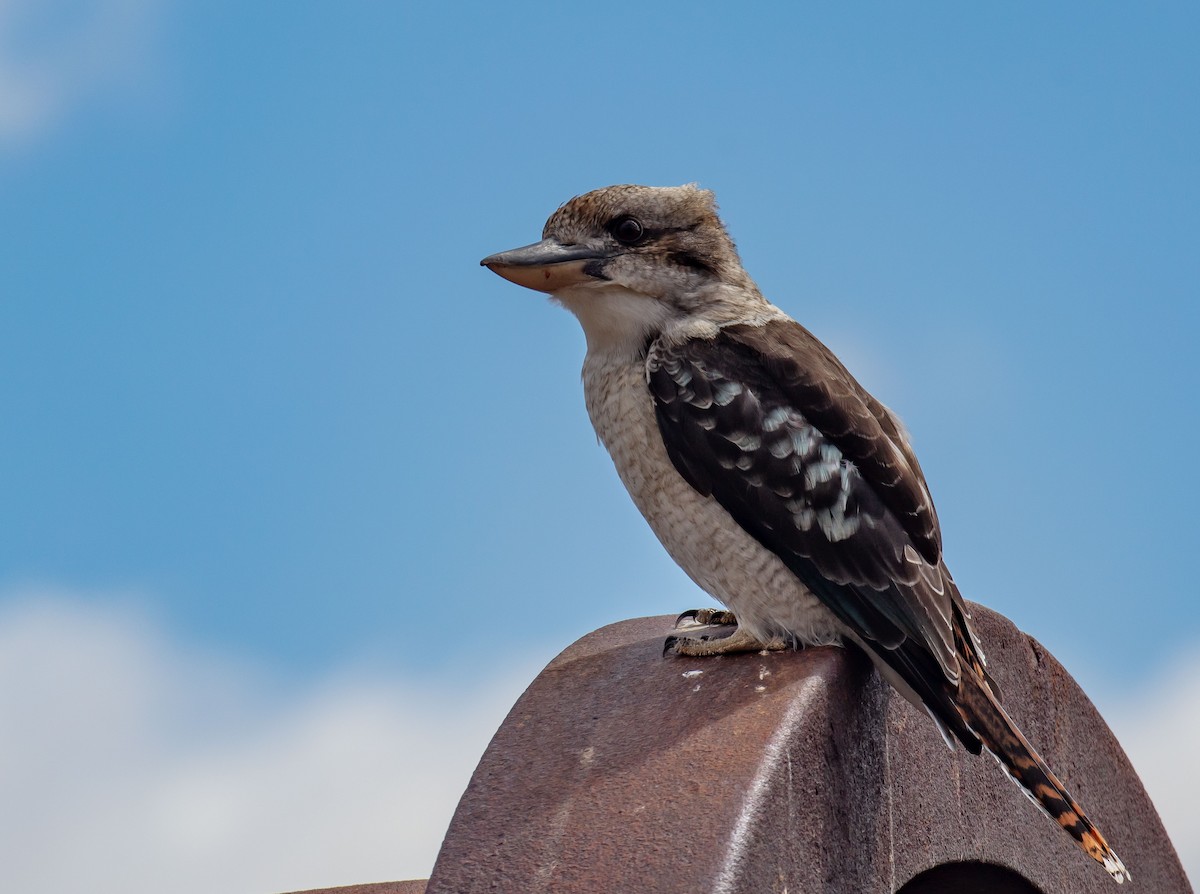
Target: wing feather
[(865, 430)]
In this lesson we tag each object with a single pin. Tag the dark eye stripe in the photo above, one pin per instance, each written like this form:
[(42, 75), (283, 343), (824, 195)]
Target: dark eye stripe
[(691, 261)]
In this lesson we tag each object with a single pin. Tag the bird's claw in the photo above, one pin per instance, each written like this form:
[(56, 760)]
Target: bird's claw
[(706, 616)]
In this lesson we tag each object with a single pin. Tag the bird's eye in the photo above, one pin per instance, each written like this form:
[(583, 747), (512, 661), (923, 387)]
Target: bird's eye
[(626, 230)]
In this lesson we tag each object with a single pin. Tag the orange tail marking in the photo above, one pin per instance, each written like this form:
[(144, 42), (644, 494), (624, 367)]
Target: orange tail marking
[(983, 713)]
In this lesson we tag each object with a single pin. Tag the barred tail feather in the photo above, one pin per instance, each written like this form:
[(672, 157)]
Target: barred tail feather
[(983, 714)]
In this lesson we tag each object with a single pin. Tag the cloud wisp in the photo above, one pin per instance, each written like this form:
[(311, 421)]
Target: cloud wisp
[(1158, 725), (55, 55), (128, 764)]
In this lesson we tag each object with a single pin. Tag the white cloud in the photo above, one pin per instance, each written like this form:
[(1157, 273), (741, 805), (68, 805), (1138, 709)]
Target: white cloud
[(128, 764), (56, 54), (1159, 726)]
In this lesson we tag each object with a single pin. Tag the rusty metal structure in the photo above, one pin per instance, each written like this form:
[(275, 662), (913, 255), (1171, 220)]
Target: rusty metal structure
[(619, 771)]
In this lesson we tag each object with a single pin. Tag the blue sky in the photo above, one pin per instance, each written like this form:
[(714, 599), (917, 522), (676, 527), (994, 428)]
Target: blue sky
[(259, 397)]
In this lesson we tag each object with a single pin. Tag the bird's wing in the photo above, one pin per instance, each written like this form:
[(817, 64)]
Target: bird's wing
[(770, 424), (862, 428)]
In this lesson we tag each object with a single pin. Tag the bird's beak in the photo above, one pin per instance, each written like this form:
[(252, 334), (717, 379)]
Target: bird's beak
[(546, 266)]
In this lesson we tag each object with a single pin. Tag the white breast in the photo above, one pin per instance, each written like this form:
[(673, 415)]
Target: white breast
[(702, 537)]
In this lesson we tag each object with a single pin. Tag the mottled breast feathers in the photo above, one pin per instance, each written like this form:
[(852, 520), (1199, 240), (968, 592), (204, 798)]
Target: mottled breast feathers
[(769, 423)]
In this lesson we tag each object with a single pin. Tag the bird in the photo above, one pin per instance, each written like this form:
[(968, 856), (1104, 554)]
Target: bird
[(775, 480)]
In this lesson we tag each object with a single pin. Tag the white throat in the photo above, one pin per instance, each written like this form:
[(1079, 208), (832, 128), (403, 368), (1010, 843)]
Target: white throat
[(616, 321)]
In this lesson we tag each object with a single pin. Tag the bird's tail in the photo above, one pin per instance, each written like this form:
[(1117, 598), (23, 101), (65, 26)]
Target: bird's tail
[(983, 713)]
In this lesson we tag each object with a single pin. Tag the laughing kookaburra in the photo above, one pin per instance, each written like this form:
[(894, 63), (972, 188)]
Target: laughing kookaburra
[(770, 475)]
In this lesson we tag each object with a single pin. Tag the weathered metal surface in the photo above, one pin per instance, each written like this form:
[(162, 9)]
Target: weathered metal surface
[(619, 770)]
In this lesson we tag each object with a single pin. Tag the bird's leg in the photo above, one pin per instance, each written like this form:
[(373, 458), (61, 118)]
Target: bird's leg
[(706, 644)]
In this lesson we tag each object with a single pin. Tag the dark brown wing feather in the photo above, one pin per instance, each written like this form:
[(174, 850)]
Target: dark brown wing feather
[(864, 430)]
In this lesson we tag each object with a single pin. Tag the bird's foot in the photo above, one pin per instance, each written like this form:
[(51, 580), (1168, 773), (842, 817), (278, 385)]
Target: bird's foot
[(702, 645)]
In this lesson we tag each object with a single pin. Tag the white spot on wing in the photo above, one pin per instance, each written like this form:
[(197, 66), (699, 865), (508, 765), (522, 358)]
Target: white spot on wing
[(802, 440), (779, 449), (725, 391), (818, 473), (776, 418), (834, 522)]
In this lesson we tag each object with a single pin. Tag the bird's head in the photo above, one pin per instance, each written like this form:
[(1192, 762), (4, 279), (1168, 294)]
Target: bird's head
[(635, 255)]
